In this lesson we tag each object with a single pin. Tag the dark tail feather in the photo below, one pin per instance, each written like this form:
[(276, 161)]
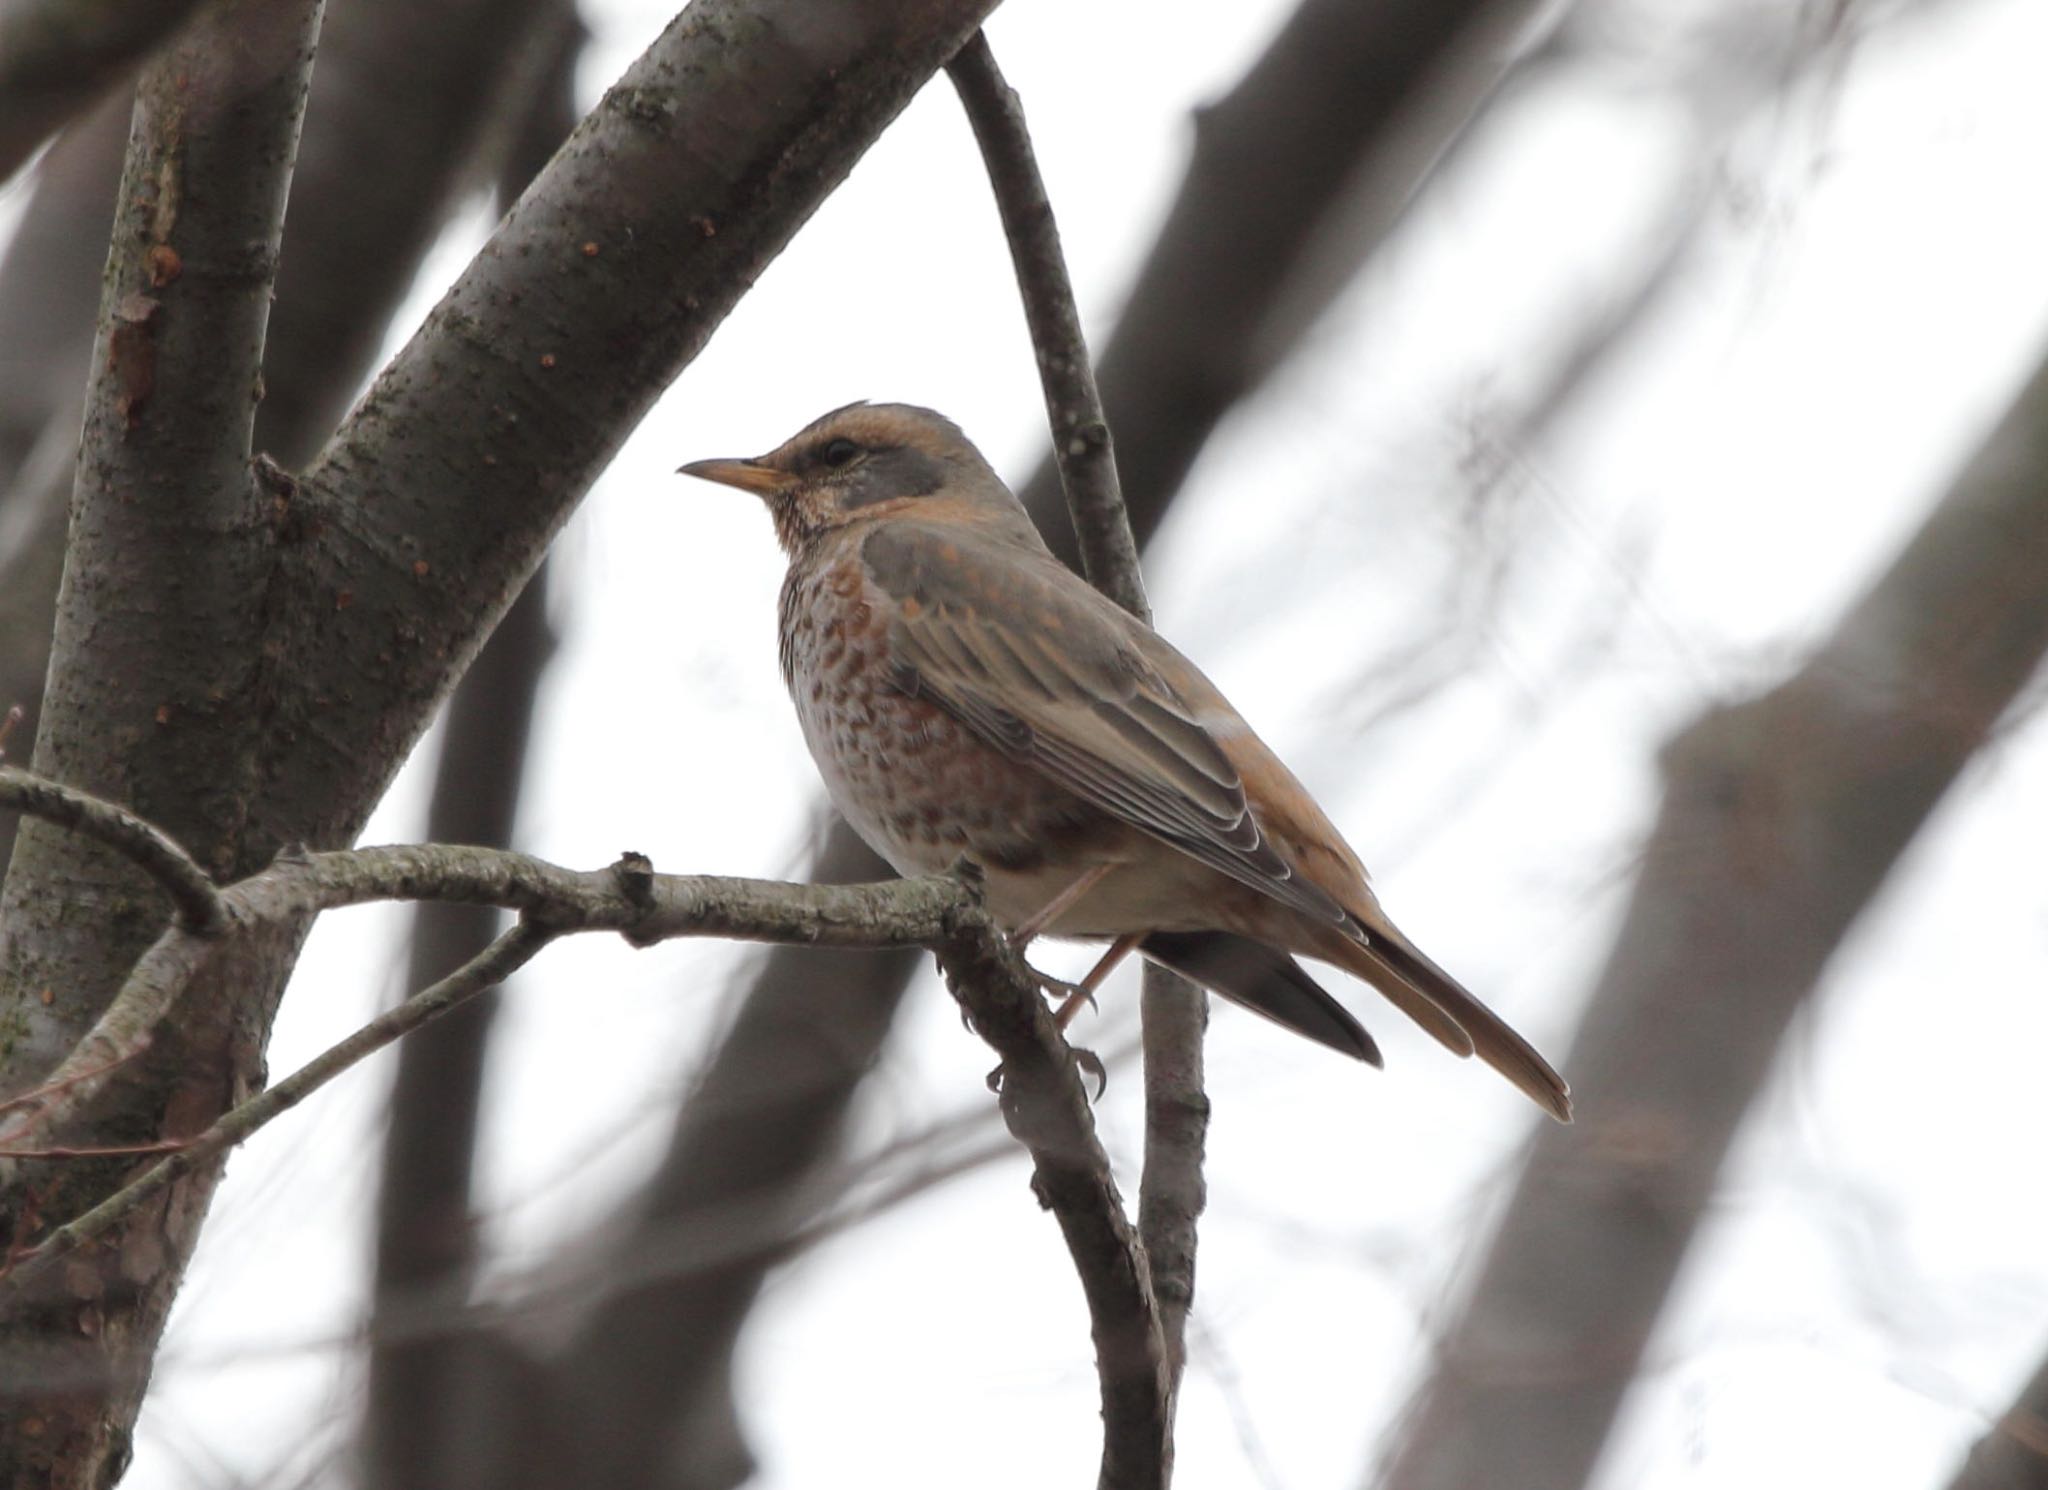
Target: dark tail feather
[(1433, 997), (1265, 980)]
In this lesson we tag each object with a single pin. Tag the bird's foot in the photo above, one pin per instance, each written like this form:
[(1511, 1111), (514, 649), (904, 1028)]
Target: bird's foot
[(1088, 1061), (1072, 996)]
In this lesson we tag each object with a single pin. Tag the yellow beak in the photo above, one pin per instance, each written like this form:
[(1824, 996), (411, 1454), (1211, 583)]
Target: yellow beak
[(747, 475)]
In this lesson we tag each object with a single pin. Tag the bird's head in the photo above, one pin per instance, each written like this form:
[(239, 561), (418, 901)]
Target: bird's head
[(866, 463)]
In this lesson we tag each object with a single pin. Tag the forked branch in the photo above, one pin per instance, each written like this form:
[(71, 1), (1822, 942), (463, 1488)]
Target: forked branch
[(1042, 1100)]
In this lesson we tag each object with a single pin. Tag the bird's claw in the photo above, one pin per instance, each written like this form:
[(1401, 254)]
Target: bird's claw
[(1091, 1065), (1088, 1061), (1068, 992)]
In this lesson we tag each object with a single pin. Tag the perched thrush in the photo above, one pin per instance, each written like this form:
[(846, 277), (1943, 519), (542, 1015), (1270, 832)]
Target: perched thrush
[(964, 693)]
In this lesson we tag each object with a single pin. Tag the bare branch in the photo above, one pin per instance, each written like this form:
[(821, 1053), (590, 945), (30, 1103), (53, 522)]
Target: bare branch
[(1046, 1109), (1782, 817), (1174, 1017), (420, 1426), (1042, 1094), (1175, 1011), (487, 969), (745, 1165), (645, 906), (389, 564), (156, 853), (1247, 256), (169, 537), (58, 56), (433, 94), (1082, 446)]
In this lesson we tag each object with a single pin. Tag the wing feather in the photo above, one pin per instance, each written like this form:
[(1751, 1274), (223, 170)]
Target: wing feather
[(1091, 711)]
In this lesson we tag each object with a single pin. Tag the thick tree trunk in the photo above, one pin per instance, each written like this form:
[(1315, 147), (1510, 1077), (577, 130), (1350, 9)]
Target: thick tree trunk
[(157, 646), (384, 571)]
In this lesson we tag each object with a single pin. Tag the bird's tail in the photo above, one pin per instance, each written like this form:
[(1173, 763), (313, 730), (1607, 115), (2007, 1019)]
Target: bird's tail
[(1265, 980), (1436, 1001)]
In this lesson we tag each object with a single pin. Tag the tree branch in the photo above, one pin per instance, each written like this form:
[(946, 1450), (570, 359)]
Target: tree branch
[(1046, 1108), (154, 852), (1042, 1094), (1082, 447), (646, 907), (1171, 1192), (159, 616), (1246, 256), (1173, 1018), (1782, 816), (487, 969), (742, 1175), (421, 1428), (394, 559)]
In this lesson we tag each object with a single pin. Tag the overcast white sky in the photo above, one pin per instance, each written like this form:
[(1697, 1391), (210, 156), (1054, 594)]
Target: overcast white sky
[(1864, 292)]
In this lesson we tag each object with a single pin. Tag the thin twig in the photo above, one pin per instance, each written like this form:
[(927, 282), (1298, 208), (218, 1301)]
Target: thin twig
[(37, 1094), (628, 898), (1042, 1102), (1174, 1017), (1081, 442), (487, 969), (95, 1151), (1171, 1192), (156, 853)]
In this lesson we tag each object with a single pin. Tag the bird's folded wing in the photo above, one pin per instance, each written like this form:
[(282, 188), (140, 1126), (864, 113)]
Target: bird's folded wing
[(1045, 670)]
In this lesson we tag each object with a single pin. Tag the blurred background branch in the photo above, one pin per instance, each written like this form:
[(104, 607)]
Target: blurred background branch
[(1483, 596), (1782, 817), (58, 56)]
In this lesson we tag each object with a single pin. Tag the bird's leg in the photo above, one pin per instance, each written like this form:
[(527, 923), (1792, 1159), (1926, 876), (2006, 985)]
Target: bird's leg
[(1078, 994), (1083, 992), (1059, 905)]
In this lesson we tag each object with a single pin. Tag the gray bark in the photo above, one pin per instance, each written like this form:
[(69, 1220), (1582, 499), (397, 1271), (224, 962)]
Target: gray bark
[(155, 659), (386, 569)]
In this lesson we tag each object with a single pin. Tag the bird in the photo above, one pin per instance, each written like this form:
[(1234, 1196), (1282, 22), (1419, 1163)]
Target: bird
[(964, 694)]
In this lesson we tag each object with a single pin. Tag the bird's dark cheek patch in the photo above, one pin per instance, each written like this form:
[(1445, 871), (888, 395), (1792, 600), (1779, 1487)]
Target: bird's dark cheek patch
[(889, 474)]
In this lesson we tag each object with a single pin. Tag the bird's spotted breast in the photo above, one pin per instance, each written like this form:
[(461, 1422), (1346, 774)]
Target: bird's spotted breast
[(913, 781)]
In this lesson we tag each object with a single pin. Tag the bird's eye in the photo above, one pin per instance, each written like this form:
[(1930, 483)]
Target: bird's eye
[(838, 452)]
